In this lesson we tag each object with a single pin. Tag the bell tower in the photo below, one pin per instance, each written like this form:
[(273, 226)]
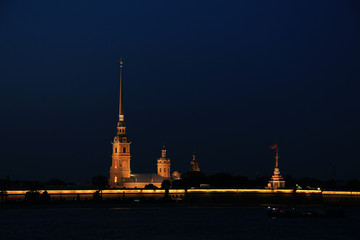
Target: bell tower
[(163, 164), (120, 167)]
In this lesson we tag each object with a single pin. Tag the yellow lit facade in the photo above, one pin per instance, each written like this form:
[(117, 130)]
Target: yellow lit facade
[(163, 164)]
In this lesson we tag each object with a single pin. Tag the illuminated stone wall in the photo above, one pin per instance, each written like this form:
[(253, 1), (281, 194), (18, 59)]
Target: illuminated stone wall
[(260, 197)]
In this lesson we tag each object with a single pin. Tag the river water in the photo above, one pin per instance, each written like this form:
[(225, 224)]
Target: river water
[(169, 222)]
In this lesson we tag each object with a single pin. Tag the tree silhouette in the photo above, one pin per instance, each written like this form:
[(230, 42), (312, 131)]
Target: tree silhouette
[(150, 186), (3, 195), (100, 181), (97, 196), (32, 196), (166, 184), (45, 197)]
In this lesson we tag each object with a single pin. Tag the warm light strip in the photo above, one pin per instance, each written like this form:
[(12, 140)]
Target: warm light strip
[(115, 191), (156, 191), (182, 191), (340, 193), (308, 191), (240, 191), (23, 192)]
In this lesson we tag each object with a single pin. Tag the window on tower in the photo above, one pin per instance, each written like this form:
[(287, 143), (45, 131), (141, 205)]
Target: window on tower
[(124, 150), (159, 169), (115, 150), (115, 179), (115, 163), (164, 169)]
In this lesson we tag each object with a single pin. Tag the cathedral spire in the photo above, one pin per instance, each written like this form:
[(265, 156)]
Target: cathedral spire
[(121, 107), (121, 124)]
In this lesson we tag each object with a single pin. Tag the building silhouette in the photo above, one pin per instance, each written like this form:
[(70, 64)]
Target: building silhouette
[(194, 164)]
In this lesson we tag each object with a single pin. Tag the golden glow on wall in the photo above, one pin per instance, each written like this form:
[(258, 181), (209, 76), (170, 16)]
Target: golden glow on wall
[(340, 193), (115, 179), (240, 190), (308, 191), (182, 191)]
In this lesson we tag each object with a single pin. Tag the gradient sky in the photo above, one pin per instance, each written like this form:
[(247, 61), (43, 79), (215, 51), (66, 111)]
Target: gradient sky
[(226, 79)]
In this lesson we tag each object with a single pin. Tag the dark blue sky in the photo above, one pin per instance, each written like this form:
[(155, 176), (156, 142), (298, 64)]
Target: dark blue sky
[(227, 79)]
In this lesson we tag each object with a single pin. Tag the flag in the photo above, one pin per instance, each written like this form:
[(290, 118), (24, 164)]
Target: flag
[(275, 146)]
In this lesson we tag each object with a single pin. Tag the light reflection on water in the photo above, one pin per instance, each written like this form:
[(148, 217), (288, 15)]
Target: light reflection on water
[(156, 222)]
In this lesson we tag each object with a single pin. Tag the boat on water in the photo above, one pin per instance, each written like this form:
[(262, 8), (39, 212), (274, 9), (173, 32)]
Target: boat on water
[(305, 213)]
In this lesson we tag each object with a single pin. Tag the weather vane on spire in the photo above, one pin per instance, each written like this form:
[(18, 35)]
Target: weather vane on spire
[(121, 108)]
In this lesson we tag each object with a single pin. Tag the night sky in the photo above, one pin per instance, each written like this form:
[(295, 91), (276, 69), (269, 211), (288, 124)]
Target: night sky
[(224, 78)]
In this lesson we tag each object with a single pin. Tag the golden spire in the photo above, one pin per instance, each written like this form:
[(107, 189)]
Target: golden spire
[(121, 108)]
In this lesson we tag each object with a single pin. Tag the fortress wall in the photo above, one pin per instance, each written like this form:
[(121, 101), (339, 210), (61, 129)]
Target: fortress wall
[(234, 196)]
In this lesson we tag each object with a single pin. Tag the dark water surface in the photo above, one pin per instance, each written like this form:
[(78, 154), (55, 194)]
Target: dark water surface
[(156, 222)]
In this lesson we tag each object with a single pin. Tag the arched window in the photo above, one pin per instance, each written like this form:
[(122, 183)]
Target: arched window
[(115, 179), (124, 164), (115, 163), (115, 150), (164, 169), (159, 169), (124, 150)]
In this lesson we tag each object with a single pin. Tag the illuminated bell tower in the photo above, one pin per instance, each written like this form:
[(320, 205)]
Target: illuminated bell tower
[(120, 167), (163, 164)]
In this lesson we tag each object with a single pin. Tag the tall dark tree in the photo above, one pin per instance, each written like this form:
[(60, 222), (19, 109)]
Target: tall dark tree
[(193, 179), (100, 181), (166, 184)]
